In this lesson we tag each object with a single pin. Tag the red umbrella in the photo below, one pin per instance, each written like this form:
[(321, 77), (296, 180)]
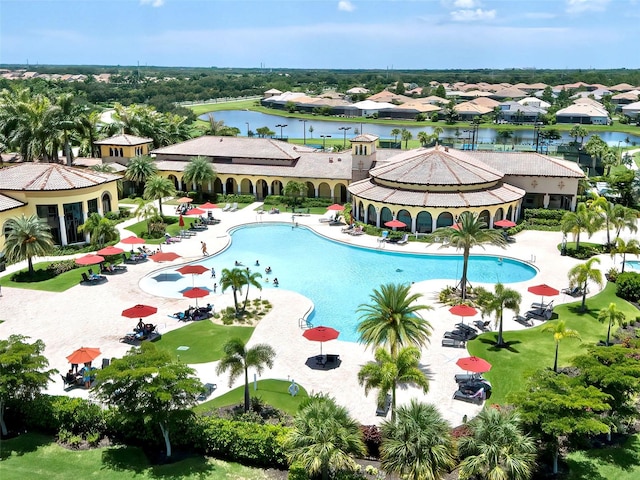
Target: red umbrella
[(133, 240), (321, 334), (394, 223), (463, 311), (474, 364), (456, 226), (181, 221), (543, 290), (336, 207), (139, 311), (110, 251), (185, 200), (195, 292), (164, 256), (89, 259), (193, 269), (504, 223), (84, 355), (209, 206), (195, 211)]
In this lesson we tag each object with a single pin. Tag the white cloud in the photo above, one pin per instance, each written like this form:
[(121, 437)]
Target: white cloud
[(539, 15), (579, 6), (346, 6), (472, 15), (465, 4), (153, 3)]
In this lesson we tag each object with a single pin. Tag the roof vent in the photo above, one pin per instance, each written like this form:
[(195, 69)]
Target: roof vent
[(220, 139), (339, 159), (330, 159), (446, 149)]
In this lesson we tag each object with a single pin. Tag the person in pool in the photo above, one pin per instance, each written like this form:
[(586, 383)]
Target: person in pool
[(275, 282), (267, 270)]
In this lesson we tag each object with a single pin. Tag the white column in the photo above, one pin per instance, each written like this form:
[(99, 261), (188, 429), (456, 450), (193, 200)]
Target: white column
[(317, 191), (414, 219), (434, 222), (332, 193), (269, 188), (180, 184), (378, 213), (545, 200), (209, 186), (224, 188), (86, 234), (574, 202), (63, 230), (366, 215)]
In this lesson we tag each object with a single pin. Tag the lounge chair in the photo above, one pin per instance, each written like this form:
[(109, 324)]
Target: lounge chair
[(348, 228), (226, 207), (523, 321), (545, 314), (482, 326), (541, 306), (330, 216), (450, 342), (573, 291), (383, 409), (467, 377), (403, 240), (208, 390), (357, 231), (383, 236), (234, 207)]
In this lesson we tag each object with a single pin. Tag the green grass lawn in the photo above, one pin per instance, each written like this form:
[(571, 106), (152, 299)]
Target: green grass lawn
[(62, 282), (531, 349), (619, 463), (272, 392), (173, 229), (33, 456), (285, 209), (204, 339)]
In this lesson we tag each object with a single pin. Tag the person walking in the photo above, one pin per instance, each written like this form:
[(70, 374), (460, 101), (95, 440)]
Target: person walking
[(213, 272), (204, 249)]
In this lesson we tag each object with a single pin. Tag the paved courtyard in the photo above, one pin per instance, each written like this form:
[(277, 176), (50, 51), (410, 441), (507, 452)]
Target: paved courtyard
[(90, 316)]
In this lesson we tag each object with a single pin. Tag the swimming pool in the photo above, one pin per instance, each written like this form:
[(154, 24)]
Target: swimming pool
[(633, 264), (336, 277)]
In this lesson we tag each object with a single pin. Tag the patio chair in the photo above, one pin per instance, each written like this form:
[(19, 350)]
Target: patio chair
[(545, 314), (523, 321), (482, 326), (404, 240), (383, 410), (208, 390), (226, 207), (383, 236), (450, 342), (348, 228), (234, 207), (357, 232), (541, 306)]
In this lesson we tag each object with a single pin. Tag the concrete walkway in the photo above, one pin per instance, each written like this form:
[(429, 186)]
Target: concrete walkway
[(91, 315)]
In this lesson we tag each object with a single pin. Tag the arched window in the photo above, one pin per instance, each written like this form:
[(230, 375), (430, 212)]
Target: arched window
[(121, 152), (405, 217), (360, 212), (499, 215), (385, 215), (445, 219), (372, 216), (424, 222), (111, 151), (484, 216), (106, 203), (510, 213)]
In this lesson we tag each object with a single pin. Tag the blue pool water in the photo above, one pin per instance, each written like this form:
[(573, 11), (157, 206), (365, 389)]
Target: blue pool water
[(336, 277), (633, 264)]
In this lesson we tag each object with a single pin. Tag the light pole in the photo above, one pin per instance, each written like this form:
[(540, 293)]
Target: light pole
[(281, 126), (304, 131), (536, 131), (344, 142), (324, 139), (248, 128)]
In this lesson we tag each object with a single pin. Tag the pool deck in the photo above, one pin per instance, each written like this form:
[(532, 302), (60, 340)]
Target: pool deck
[(90, 316)]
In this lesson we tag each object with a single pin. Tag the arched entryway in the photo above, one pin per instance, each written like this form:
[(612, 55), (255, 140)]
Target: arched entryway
[(340, 192), (499, 215), (510, 213), (445, 219), (246, 186), (217, 186), (311, 190), (276, 187), (424, 222), (174, 180), (372, 216), (385, 216), (262, 189), (405, 217), (106, 203), (360, 212), (231, 186), (324, 190), (485, 216)]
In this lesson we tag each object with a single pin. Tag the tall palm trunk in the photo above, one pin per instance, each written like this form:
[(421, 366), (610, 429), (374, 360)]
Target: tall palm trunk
[(465, 265), (500, 339), (555, 362), (235, 299), (246, 389)]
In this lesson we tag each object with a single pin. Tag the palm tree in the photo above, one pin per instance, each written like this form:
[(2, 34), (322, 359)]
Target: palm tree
[(294, 190), (495, 302), (251, 279), (595, 148), (393, 320), (89, 133), (610, 159), (632, 247), (560, 332), (582, 220), (27, 237), (157, 187), (607, 210), (424, 138), (235, 279), (497, 447), (140, 169), (471, 230), (418, 444), (395, 132), (238, 359), (505, 135), (624, 217), (215, 126), (406, 136), (612, 316), (388, 371), (68, 119), (578, 131), (199, 171), (581, 274), (324, 437), (100, 229), (437, 131), (147, 212)]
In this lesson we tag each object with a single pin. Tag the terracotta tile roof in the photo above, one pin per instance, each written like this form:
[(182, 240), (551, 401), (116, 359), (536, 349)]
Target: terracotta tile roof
[(529, 164), (472, 108), (8, 203), (50, 177), (365, 137), (583, 110), (500, 194), (308, 165), (435, 166), (485, 102), (510, 93), (124, 140)]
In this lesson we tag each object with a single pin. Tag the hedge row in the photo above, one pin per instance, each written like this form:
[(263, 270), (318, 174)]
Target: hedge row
[(544, 213), (243, 442), (628, 286)]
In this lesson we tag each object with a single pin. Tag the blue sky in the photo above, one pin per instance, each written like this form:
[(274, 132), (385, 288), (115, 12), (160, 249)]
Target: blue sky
[(377, 34)]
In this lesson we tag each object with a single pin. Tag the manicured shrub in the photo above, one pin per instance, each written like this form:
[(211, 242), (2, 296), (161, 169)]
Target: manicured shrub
[(372, 438), (628, 286)]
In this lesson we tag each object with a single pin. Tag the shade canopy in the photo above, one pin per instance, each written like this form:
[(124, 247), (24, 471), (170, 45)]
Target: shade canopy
[(543, 290), (504, 223), (84, 355), (139, 311), (337, 207), (193, 269), (195, 292), (394, 223), (456, 226), (208, 206), (463, 311), (110, 251), (133, 240), (185, 200), (321, 334), (474, 364), (90, 259), (195, 211), (164, 256)]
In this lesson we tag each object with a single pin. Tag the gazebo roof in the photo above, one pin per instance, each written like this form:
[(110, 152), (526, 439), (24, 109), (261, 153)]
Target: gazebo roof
[(50, 177)]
